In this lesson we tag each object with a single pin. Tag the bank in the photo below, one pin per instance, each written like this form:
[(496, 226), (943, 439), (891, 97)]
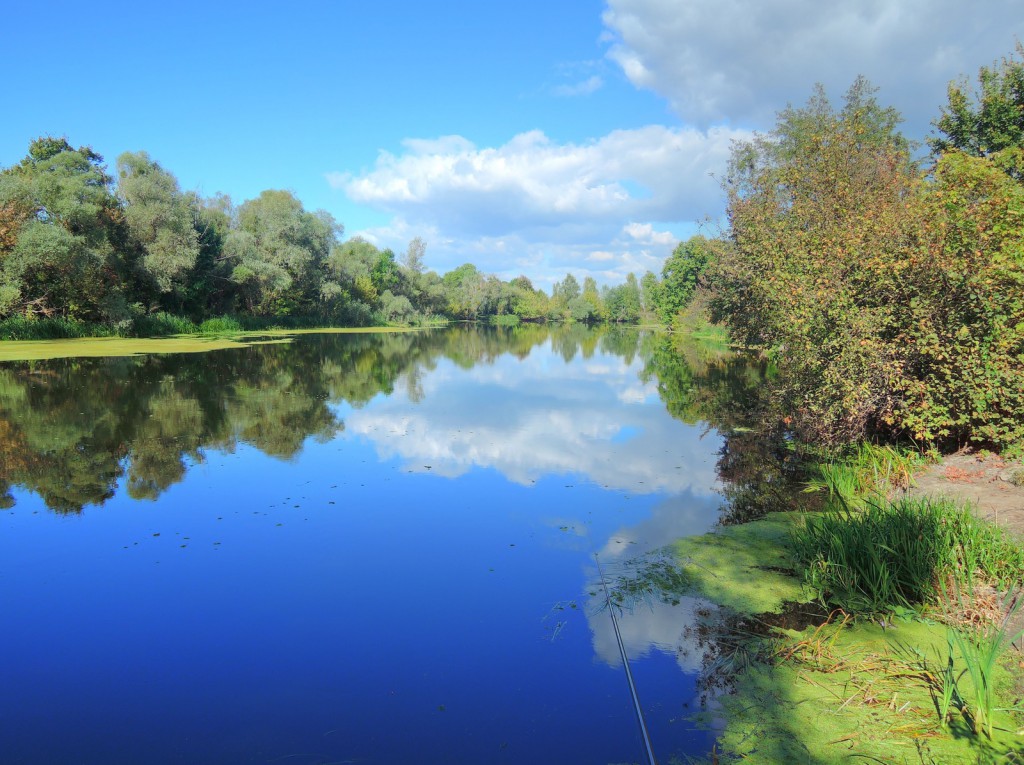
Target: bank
[(790, 677)]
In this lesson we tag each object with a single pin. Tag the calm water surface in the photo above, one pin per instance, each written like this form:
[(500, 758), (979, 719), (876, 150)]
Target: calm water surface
[(346, 549)]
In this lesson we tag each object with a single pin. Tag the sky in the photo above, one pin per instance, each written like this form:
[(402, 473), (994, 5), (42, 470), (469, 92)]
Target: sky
[(538, 137)]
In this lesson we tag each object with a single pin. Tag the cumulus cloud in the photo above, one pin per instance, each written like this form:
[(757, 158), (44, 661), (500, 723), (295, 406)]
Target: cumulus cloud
[(550, 206), (531, 182), (645, 234), (743, 60)]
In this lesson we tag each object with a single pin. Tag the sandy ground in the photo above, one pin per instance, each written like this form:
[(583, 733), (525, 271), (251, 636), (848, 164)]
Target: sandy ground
[(987, 482)]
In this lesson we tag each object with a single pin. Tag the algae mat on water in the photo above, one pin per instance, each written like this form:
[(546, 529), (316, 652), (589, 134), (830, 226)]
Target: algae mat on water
[(846, 691), (38, 350), (857, 693)]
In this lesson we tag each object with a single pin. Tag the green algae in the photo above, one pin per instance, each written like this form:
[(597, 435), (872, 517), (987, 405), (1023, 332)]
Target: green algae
[(856, 692), (848, 690), (745, 567), (36, 350)]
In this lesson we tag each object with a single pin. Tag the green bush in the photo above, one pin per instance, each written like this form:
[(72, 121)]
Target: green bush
[(505, 320), (19, 328), (220, 324), (161, 324)]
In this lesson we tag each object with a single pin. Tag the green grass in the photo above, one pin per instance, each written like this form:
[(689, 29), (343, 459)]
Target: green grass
[(854, 691), (867, 473), (896, 555), (18, 328)]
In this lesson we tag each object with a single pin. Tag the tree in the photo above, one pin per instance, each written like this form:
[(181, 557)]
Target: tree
[(650, 292), (412, 260), (987, 121), (161, 220), (598, 311), (279, 253), (60, 227), (682, 273), (567, 289), (823, 212), (623, 301)]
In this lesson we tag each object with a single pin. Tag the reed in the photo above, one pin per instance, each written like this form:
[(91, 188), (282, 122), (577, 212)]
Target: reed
[(895, 554)]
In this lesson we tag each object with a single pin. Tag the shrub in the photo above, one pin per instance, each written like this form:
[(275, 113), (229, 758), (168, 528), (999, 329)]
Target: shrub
[(160, 324), (220, 324)]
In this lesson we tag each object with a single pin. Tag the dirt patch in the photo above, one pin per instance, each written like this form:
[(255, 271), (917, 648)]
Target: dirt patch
[(992, 485)]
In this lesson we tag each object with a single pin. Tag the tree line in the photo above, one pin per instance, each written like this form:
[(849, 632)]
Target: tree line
[(81, 245), (886, 286)]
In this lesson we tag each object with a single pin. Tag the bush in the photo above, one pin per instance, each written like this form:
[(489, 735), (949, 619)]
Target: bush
[(162, 324), (220, 324), (505, 320), (19, 328)]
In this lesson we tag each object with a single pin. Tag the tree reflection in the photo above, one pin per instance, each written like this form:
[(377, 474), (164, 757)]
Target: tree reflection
[(72, 429), (761, 471)]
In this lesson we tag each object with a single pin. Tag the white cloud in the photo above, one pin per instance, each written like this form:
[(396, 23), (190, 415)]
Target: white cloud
[(743, 60), (590, 85), (645, 234), (543, 207)]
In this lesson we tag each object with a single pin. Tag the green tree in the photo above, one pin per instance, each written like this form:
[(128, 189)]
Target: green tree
[(623, 301), (280, 253), (61, 231), (161, 220), (682, 274), (987, 121), (823, 223)]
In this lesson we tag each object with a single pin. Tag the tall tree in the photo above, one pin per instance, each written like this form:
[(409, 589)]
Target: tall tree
[(414, 254), (988, 120), (682, 273), (280, 251), (60, 231), (161, 220)]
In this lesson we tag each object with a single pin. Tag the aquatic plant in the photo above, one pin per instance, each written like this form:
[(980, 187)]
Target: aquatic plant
[(895, 554)]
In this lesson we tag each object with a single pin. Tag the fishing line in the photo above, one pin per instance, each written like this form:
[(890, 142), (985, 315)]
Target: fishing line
[(625, 663)]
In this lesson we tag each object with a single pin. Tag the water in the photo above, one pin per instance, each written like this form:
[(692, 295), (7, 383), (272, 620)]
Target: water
[(347, 549)]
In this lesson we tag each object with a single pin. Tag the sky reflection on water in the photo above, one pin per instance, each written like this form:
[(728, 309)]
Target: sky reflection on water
[(409, 582)]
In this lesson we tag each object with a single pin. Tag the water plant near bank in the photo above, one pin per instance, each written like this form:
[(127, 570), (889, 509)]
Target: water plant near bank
[(896, 555)]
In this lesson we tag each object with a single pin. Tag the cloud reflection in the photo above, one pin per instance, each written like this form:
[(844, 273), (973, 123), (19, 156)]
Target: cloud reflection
[(538, 416)]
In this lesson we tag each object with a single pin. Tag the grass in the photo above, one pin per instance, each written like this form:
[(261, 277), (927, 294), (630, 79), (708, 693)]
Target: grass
[(868, 473), (883, 679), (896, 555), (854, 691)]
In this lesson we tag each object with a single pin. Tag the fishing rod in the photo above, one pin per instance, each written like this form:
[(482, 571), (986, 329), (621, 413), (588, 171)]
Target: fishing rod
[(625, 663)]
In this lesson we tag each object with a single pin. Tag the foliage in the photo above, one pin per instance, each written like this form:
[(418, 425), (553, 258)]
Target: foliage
[(892, 304), (866, 473), (161, 324), (682, 274), (60, 227), (988, 122), (160, 219), (279, 252)]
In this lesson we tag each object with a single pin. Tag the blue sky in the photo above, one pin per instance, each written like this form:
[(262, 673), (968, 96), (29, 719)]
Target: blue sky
[(529, 137)]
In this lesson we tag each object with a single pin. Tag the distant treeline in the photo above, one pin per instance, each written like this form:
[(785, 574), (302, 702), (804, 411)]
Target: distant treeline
[(136, 254), (887, 289)]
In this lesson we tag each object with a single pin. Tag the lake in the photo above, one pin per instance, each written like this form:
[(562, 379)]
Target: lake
[(351, 548)]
